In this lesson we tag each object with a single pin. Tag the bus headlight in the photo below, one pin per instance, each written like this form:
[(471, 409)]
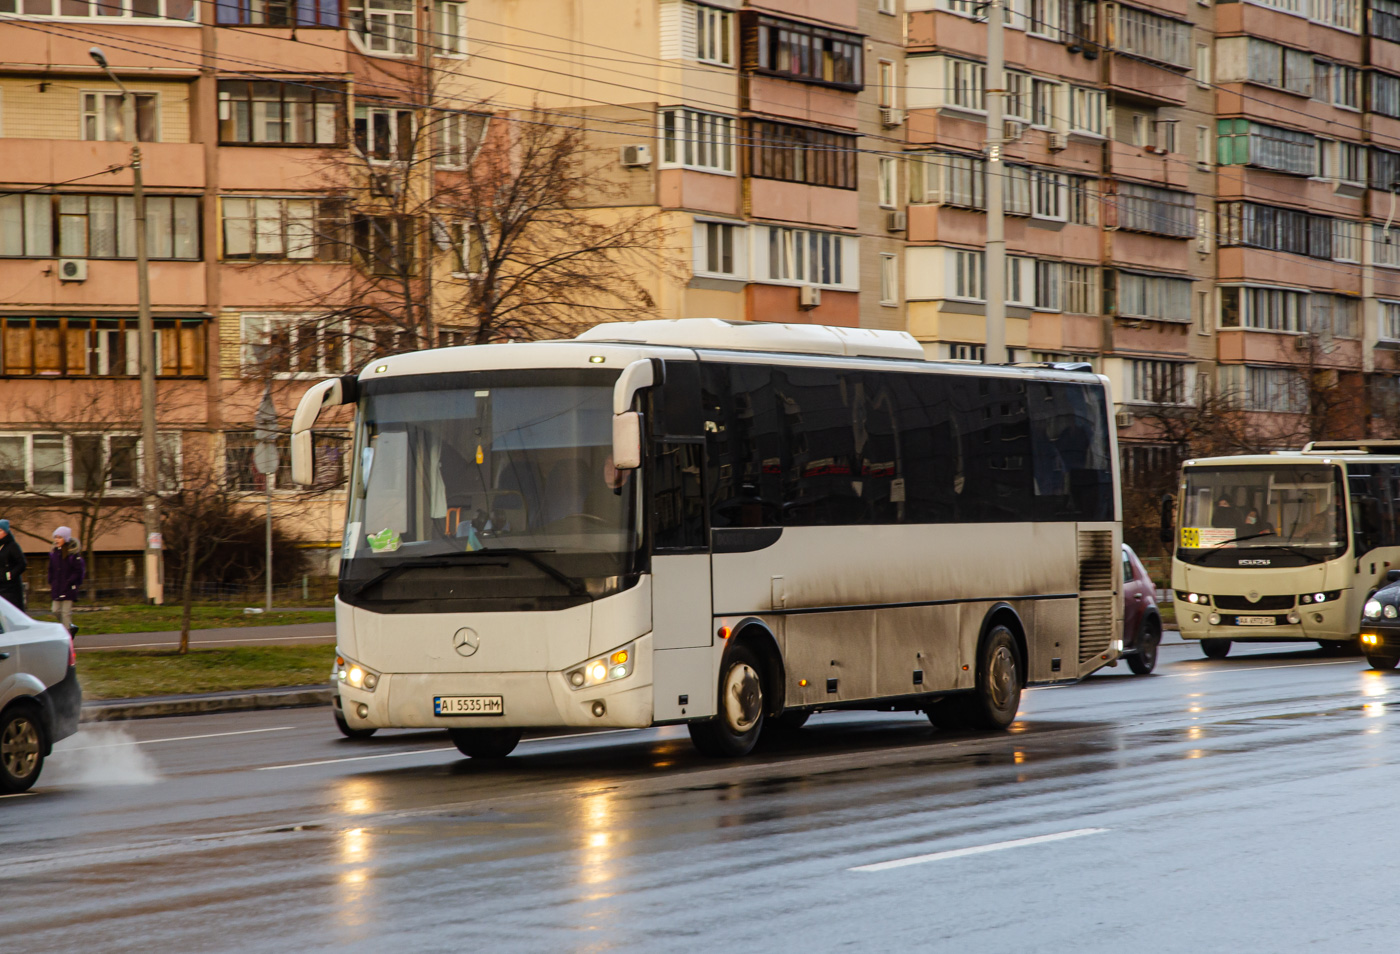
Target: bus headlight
[(1372, 609), (610, 668), (1199, 599), (354, 675)]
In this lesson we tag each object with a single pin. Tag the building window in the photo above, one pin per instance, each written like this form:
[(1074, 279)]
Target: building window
[(1242, 142), (384, 26), (1048, 195), (888, 7), (949, 180), (800, 154), (26, 226), (1334, 315), (1081, 289), (1337, 84), (1043, 18), (1016, 104), (1279, 230), (802, 51), (1385, 246), (1203, 148), (1390, 320), (1384, 167), (283, 113), (103, 117), (696, 140), (104, 226), (1342, 14), (1083, 200), (968, 281), (1202, 313), (889, 279), (1346, 240), (99, 347), (888, 91), (1272, 65), (274, 13), (105, 10), (1263, 309), (1141, 208), (719, 249), (1160, 382), (967, 84), (1204, 223), (1281, 390), (1043, 108), (1203, 65), (1153, 37), (1385, 19), (812, 258), (75, 464), (384, 244), (284, 229), (1048, 286), (714, 32), (1087, 112), (888, 181), (1344, 162), (382, 134), (450, 28), (286, 345), (1154, 297), (1385, 94)]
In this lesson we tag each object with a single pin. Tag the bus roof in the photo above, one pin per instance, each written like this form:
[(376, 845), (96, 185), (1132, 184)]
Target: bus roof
[(1296, 457)]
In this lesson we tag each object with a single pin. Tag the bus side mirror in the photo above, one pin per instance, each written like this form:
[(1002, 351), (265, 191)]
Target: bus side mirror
[(627, 440), (303, 463), (1168, 506), (331, 392)]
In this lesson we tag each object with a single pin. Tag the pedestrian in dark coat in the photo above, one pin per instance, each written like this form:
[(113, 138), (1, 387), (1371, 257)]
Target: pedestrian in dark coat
[(66, 572), (12, 567)]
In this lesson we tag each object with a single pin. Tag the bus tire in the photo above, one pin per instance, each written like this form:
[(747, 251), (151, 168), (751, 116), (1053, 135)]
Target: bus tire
[(1144, 660), (485, 743), (1215, 648), (734, 729), (350, 732), (23, 744), (1382, 662), (995, 701)]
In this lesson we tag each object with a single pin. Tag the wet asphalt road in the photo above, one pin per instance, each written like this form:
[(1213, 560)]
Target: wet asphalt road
[(1242, 805)]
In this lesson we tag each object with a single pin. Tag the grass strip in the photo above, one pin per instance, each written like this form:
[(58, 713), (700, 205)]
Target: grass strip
[(154, 619), (133, 673)]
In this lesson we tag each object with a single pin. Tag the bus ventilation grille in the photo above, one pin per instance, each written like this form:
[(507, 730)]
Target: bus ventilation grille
[(1095, 626), (1095, 560)]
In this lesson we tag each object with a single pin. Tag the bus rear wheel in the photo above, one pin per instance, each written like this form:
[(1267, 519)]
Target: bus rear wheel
[(1215, 648), (1382, 662), (995, 701), (734, 729), (485, 743)]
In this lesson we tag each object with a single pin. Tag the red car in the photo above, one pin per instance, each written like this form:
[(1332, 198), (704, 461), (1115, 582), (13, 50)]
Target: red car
[(1142, 623)]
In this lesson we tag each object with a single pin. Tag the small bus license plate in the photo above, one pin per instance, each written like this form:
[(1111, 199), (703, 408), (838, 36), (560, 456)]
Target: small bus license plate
[(1255, 621), (468, 705)]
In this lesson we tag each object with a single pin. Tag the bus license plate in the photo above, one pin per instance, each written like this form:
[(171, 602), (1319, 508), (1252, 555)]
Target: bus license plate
[(1255, 621), (468, 705)]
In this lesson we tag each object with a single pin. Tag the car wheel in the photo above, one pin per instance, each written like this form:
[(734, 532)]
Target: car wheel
[(735, 728), (485, 743), (1382, 662), (349, 732), (22, 748), (1215, 648), (1144, 660)]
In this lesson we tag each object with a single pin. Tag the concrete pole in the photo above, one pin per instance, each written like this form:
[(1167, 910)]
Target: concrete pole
[(150, 481), (995, 277)]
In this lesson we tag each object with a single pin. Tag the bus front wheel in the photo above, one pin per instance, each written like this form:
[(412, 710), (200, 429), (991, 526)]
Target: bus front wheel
[(349, 731), (735, 728), (1215, 648), (485, 743)]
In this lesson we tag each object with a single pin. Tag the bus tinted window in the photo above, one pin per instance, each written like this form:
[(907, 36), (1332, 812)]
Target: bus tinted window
[(993, 429), (1073, 477)]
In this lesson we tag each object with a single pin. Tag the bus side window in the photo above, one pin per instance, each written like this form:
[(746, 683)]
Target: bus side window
[(678, 499)]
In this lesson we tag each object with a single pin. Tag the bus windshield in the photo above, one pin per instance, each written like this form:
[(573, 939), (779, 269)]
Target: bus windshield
[(488, 491), (1296, 507)]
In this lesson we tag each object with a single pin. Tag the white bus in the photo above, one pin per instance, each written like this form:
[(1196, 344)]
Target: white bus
[(725, 525), (1285, 546)]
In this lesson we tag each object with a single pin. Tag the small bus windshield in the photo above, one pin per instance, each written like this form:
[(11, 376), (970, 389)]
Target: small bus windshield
[(1297, 507)]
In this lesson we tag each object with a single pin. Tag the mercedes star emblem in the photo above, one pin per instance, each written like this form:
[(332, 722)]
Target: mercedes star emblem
[(466, 641)]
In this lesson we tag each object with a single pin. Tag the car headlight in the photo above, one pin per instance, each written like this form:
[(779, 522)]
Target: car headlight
[(1372, 609), (1388, 611), (355, 675), (608, 668)]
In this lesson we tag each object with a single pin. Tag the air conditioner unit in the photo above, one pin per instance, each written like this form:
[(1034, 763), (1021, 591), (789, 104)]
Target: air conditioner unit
[(1057, 141), (72, 269), (1012, 129), (891, 116), (809, 296), (1124, 419), (636, 157), (896, 221)]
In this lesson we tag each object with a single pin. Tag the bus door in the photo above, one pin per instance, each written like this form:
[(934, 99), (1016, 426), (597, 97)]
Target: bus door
[(682, 613)]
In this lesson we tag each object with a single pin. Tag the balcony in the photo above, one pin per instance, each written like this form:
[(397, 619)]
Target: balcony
[(176, 165)]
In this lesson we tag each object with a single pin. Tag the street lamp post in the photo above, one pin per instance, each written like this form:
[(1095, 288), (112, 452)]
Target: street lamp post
[(150, 503)]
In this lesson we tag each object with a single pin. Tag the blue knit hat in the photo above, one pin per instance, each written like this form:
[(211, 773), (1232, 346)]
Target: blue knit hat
[(5, 525)]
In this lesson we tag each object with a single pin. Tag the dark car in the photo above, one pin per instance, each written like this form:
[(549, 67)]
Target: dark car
[(1142, 622), (1380, 624)]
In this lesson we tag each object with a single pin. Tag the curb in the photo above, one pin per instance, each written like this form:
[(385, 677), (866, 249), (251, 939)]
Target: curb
[(202, 703)]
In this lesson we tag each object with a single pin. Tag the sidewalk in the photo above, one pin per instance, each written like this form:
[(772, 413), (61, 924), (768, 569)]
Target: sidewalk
[(295, 634)]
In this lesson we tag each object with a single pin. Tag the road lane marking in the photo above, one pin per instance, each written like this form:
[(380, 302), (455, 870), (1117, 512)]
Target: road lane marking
[(978, 849), (355, 758), (177, 738)]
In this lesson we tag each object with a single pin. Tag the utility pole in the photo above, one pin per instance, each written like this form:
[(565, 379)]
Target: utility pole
[(266, 460), (150, 481), (995, 277)]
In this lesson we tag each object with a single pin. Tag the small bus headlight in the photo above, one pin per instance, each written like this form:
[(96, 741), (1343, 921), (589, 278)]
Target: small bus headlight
[(1372, 609), (609, 668)]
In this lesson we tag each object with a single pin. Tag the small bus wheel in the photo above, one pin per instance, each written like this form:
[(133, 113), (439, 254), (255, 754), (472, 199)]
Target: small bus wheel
[(349, 732), (1382, 662), (735, 728), (1215, 648), (485, 743)]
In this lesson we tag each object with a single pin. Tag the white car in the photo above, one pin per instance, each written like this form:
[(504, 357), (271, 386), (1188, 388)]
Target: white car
[(40, 700)]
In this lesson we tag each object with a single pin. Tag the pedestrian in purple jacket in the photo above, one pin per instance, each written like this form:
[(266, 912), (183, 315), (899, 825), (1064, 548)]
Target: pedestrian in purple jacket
[(66, 572)]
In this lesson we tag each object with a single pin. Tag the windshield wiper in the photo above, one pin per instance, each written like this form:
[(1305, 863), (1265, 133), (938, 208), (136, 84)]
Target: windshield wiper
[(530, 557), (434, 564)]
